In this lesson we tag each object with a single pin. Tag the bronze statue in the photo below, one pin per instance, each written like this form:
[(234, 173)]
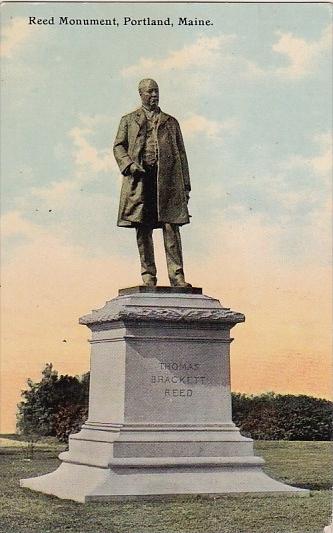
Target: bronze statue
[(150, 153)]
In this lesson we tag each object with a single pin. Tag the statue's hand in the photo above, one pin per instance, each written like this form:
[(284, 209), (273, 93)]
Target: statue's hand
[(136, 170)]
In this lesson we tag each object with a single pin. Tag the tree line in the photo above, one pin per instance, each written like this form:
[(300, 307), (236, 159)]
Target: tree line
[(57, 405)]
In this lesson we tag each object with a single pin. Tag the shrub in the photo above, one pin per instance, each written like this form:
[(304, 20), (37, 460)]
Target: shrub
[(69, 419), (58, 405), (38, 412), (282, 417)]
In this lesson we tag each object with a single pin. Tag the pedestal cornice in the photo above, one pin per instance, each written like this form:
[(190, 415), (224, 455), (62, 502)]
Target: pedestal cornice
[(163, 306)]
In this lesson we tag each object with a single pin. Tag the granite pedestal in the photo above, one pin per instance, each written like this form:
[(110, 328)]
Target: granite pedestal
[(160, 405)]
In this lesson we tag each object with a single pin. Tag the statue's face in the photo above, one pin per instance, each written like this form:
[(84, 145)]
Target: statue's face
[(149, 94)]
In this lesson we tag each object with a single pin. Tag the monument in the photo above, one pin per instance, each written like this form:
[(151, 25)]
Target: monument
[(160, 421)]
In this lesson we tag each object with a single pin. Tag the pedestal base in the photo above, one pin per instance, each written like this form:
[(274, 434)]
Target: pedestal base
[(160, 406), (156, 478)]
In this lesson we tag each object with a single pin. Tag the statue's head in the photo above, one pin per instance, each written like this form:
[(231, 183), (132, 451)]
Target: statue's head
[(149, 92)]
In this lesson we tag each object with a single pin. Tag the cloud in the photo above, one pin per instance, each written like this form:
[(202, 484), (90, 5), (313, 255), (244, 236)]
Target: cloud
[(198, 124), (14, 224), (250, 69), (204, 52), (56, 192), (301, 54), (15, 35), (89, 161), (319, 163), (293, 193), (86, 156), (209, 52), (322, 164)]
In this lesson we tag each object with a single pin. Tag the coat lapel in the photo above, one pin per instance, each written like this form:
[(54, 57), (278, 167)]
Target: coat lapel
[(140, 117), (163, 118), (139, 123)]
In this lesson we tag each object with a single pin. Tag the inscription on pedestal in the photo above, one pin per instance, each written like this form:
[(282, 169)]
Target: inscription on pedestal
[(179, 378)]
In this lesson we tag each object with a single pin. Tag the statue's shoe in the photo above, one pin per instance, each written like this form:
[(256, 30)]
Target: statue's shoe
[(180, 283), (150, 282)]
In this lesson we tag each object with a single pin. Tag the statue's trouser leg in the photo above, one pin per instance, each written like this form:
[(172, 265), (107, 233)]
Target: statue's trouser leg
[(173, 252), (144, 238)]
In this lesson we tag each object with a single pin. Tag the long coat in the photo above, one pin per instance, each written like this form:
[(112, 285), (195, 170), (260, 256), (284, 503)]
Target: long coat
[(173, 181)]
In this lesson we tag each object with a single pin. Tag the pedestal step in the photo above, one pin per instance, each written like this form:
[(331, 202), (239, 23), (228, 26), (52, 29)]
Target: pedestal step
[(135, 479)]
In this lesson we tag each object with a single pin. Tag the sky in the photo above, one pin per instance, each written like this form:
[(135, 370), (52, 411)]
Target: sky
[(251, 92)]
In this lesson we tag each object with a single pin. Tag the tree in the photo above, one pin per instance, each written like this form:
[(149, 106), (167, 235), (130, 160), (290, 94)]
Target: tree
[(38, 412)]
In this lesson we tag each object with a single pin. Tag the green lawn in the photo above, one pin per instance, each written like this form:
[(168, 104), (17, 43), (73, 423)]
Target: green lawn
[(305, 464)]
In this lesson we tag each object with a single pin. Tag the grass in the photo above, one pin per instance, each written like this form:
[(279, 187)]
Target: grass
[(305, 464)]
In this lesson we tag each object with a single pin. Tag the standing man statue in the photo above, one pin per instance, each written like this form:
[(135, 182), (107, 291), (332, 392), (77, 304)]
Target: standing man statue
[(150, 153)]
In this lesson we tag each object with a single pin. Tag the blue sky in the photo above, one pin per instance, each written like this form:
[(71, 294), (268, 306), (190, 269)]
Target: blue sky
[(252, 95), (259, 77)]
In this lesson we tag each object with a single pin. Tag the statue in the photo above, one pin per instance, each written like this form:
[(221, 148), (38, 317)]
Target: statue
[(150, 153)]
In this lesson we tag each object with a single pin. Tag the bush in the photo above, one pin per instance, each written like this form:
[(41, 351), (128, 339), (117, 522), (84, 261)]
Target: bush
[(38, 412), (58, 405), (282, 417), (69, 419)]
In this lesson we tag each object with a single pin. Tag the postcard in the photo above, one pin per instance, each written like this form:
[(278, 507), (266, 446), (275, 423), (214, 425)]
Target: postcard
[(245, 93)]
